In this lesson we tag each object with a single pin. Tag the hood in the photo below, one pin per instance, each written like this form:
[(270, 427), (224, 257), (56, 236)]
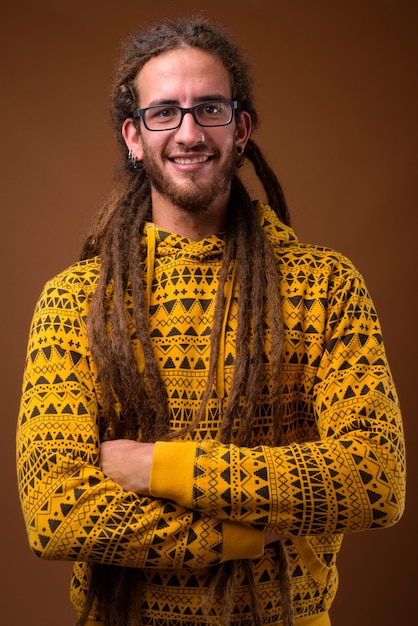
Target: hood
[(162, 244)]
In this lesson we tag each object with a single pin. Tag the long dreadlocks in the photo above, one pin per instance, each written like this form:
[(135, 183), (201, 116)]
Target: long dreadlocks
[(141, 395)]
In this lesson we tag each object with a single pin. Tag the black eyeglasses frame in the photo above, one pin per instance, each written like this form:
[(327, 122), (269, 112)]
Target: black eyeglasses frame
[(140, 113)]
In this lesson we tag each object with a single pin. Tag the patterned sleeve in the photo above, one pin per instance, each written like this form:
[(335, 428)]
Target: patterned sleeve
[(72, 510), (350, 478)]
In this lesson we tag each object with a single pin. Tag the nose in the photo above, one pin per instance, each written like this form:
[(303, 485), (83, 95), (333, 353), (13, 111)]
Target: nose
[(189, 133)]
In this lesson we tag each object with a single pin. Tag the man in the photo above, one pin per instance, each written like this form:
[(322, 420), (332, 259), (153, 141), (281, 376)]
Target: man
[(207, 406)]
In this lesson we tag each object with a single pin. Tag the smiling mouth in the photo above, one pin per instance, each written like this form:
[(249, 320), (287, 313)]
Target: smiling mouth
[(190, 160)]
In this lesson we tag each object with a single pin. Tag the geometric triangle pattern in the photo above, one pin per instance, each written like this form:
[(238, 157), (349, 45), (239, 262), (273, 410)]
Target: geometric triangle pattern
[(341, 468)]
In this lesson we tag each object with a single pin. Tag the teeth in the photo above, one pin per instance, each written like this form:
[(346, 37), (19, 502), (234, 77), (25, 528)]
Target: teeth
[(185, 161)]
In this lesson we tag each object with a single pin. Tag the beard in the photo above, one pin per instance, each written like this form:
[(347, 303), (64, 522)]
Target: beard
[(195, 196)]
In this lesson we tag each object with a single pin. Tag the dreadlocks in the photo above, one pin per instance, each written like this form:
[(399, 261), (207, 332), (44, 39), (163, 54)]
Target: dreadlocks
[(140, 396)]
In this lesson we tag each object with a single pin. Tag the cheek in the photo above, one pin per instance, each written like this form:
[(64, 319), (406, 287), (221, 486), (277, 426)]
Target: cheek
[(224, 142), (152, 145), (229, 146), (230, 140), (156, 146)]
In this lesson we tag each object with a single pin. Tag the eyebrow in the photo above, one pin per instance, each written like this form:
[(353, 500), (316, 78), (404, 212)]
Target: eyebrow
[(198, 100)]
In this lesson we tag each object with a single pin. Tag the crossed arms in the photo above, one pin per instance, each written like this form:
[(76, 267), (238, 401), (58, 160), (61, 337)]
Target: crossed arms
[(141, 505)]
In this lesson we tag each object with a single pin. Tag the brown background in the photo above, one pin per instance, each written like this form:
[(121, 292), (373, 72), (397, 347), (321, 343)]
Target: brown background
[(337, 92)]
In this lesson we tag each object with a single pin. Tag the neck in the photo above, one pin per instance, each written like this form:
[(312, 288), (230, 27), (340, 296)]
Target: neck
[(194, 225)]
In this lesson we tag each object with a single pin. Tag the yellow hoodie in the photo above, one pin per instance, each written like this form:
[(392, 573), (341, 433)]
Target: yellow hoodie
[(341, 468)]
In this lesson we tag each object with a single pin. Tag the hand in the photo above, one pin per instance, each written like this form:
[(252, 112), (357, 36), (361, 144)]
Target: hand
[(128, 463)]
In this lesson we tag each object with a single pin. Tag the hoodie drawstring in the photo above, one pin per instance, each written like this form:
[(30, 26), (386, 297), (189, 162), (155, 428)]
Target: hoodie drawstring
[(220, 366), (151, 247)]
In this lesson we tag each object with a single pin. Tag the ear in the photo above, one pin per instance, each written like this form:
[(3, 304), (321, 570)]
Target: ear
[(243, 129), (132, 138)]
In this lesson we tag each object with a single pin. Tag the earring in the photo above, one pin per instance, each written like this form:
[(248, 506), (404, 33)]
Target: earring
[(133, 160)]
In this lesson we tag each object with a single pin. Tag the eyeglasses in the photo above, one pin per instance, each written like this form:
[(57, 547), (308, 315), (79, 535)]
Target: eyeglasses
[(168, 117)]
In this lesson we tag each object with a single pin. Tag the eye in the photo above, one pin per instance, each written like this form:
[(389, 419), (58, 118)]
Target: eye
[(162, 113), (212, 109)]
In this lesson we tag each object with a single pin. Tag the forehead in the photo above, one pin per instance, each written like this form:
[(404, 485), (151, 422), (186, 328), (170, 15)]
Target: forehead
[(181, 75)]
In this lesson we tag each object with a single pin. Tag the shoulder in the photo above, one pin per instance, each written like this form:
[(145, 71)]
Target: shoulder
[(318, 258), (72, 288), (315, 262), (82, 275), (299, 259)]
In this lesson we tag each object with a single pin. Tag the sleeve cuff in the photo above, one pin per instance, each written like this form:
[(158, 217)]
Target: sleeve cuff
[(172, 471)]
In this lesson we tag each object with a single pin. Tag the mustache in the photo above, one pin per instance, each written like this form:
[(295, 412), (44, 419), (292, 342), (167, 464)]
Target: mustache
[(199, 150)]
